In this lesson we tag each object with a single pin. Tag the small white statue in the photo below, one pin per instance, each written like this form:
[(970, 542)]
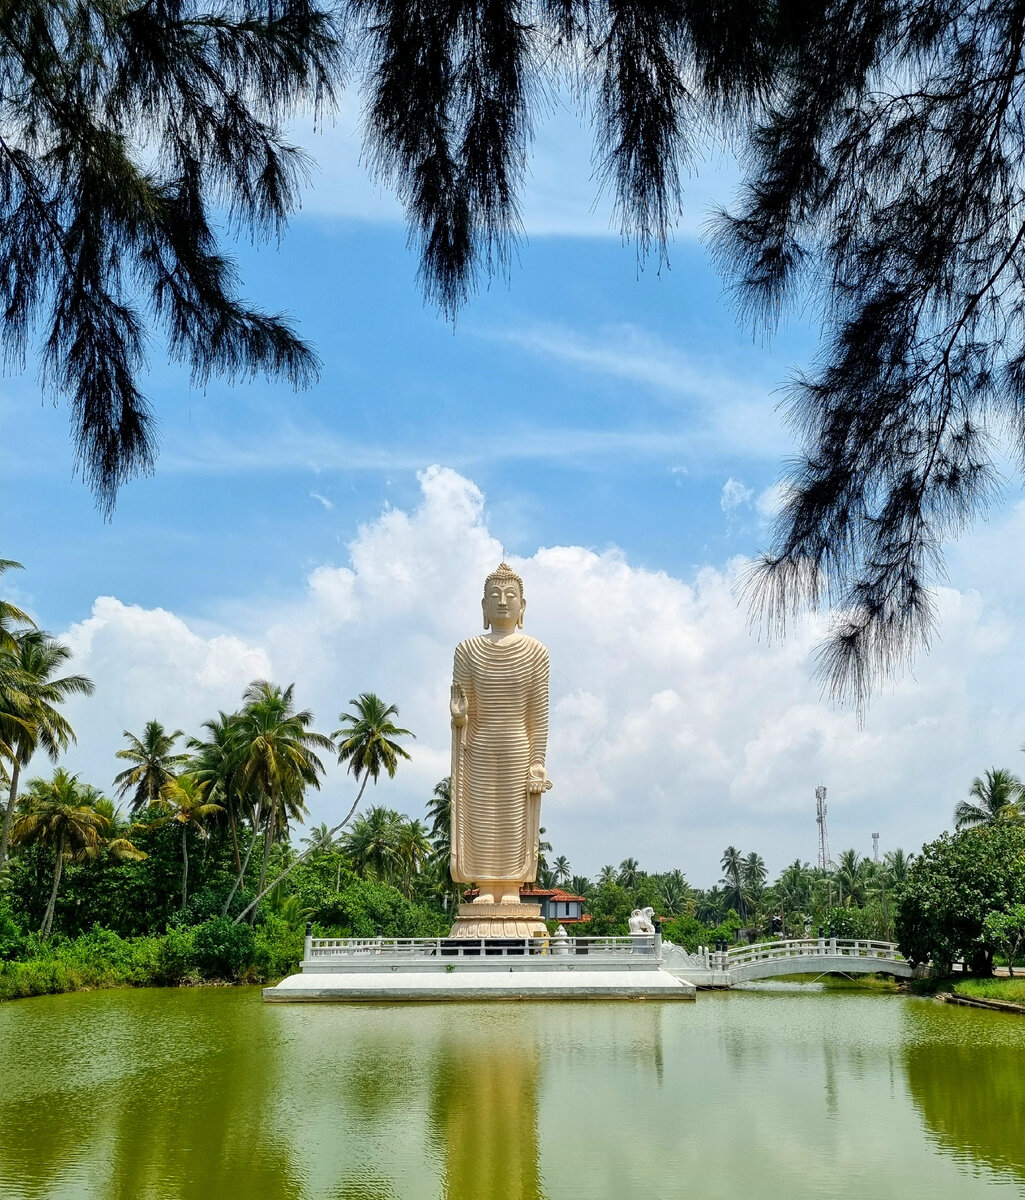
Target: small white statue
[(560, 942), (641, 921)]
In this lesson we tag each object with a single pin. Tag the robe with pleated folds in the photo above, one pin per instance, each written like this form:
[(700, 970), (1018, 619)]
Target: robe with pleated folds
[(494, 821)]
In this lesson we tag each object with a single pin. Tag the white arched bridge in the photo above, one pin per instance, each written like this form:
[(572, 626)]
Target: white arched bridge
[(769, 960)]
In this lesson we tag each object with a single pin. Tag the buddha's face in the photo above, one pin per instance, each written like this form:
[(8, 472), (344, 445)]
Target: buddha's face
[(503, 605)]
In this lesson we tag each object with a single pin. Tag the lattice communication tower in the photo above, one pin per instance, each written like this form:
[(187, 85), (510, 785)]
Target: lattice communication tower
[(875, 847), (825, 862)]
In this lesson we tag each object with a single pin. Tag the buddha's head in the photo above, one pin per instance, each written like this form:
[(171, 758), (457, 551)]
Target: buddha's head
[(504, 602)]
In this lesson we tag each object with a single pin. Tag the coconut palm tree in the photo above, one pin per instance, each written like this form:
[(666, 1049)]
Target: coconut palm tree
[(580, 885), (37, 724), (897, 865), (754, 876), (369, 747), (545, 876), (10, 614), (712, 905), (412, 850), (561, 869), (439, 813), (215, 761), (55, 815), (853, 876), (154, 763), (674, 893), (794, 886), (732, 864), (184, 802), (998, 795), (12, 693), (318, 840), (607, 875), (371, 844), (367, 739), (277, 759), (629, 869)]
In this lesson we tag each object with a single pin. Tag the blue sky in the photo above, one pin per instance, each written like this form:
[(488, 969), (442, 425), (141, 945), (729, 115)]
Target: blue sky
[(618, 413), (593, 403)]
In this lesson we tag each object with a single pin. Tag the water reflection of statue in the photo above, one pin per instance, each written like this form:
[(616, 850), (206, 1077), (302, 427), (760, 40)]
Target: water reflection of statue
[(485, 1113), (499, 708)]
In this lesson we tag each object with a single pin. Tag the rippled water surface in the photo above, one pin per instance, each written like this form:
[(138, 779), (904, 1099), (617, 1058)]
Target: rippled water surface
[(763, 1093)]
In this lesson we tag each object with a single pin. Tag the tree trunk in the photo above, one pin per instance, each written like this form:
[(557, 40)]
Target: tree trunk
[(241, 875), (306, 853), (234, 839), (268, 839), (185, 866), (5, 837), (48, 919)]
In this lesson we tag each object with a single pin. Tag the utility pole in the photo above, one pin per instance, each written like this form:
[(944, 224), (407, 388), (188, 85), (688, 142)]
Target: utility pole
[(825, 862)]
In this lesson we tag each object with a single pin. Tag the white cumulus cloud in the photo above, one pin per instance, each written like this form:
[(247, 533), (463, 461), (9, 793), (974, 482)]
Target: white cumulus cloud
[(674, 732), (734, 495)]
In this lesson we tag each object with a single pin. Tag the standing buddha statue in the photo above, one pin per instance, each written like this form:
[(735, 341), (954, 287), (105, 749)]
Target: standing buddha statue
[(499, 710)]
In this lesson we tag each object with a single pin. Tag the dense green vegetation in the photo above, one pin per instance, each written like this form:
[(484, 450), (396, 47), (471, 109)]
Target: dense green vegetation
[(954, 886)]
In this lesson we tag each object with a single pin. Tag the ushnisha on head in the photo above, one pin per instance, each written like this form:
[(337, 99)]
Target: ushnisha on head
[(504, 603)]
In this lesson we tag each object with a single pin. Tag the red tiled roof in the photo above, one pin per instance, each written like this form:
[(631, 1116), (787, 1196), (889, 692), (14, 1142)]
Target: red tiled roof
[(551, 893), (543, 893)]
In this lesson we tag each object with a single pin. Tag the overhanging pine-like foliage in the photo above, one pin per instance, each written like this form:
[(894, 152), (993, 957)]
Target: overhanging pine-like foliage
[(885, 187), (122, 128)]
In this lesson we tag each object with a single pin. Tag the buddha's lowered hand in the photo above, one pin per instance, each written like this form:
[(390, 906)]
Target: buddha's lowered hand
[(537, 779)]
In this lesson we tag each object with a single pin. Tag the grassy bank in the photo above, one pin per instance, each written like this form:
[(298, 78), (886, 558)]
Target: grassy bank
[(215, 951), (872, 983), (1011, 990)]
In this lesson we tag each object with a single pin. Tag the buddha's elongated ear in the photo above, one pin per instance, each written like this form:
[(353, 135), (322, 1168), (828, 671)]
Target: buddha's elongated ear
[(484, 610), (523, 609)]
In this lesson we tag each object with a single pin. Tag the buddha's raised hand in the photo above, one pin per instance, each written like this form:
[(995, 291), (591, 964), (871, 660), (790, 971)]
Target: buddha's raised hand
[(458, 705)]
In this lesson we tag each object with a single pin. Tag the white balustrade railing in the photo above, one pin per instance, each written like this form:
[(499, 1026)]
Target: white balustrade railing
[(812, 947), (328, 949), (552, 952)]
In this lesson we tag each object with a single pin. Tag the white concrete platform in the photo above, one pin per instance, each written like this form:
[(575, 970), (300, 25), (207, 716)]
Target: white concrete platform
[(568, 984), (432, 969)]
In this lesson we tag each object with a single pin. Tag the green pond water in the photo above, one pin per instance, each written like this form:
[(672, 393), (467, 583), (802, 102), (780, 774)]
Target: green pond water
[(776, 1092)]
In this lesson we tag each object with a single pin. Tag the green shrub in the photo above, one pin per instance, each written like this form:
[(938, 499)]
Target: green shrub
[(366, 908), (279, 948), (223, 950), (688, 932), (207, 903), (856, 923), (100, 952), (175, 958), (15, 939)]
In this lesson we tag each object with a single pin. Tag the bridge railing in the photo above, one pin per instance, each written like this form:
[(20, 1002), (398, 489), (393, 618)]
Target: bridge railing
[(812, 947)]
